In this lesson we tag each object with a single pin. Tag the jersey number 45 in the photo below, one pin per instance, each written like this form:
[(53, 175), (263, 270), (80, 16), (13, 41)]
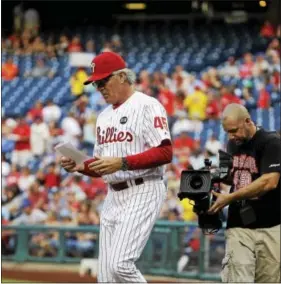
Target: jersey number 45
[(160, 122)]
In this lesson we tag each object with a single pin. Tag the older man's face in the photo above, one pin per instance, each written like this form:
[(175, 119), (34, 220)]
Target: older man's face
[(237, 130), (110, 88)]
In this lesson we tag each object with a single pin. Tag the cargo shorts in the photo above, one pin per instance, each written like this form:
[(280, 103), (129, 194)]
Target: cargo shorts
[(252, 255)]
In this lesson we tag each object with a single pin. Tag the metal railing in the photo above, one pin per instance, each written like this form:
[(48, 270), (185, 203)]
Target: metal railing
[(160, 256)]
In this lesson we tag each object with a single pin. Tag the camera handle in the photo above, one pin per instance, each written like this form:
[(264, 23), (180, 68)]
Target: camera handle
[(212, 196), (207, 163)]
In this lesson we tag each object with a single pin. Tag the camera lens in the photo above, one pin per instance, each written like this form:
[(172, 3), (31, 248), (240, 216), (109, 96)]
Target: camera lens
[(196, 182)]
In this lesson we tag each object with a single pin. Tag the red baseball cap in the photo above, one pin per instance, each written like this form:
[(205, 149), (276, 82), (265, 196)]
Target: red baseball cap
[(104, 65)]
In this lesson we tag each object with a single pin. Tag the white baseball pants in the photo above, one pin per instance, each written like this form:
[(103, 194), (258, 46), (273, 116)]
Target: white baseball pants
[(127, 219)]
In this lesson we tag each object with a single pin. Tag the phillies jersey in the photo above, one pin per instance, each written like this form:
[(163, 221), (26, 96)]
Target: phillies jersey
[(137, 125)]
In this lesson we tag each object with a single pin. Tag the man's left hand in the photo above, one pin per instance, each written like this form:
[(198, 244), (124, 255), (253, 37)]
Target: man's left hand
[(106, 165), (222, 201)]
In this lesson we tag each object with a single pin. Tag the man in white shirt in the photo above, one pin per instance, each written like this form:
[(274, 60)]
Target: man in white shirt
[(213, 145), (40, 136), (51, 112), (71, 129)]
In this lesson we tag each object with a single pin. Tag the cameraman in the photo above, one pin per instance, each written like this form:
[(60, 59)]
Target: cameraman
[(253, 225)]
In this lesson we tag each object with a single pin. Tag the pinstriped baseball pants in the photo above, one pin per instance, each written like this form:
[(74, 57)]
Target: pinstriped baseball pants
[(127, 220)]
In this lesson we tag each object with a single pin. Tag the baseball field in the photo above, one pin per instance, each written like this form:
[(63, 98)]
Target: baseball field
[(15, 281)]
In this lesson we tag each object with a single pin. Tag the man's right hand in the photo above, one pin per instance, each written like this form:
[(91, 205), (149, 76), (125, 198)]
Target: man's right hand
[(68, 164)]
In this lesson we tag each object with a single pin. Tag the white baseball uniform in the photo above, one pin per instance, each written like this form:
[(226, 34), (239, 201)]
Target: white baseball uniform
[(128, 216)]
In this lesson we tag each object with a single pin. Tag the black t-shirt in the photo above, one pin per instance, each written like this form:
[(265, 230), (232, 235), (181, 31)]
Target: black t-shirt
[(251, 160)]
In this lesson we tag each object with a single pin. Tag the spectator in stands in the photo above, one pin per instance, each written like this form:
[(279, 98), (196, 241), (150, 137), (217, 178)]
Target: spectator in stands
[(11, 201), (264, 98), (50, 52), (179, 70), (13, 176), (89, 133), (230, 69), (35, 111), (183, 124), (9, 70), (77, 82), (188, 214), (213, 145), (267, 30), (16, 47), (87, 216), (26, 179), (179, 101), (51, 112), (106, 47), (197, 157), (40, 137), (183, 145), (179, 83), (58, 201), (213, 109), (38, 196), (8, 125), (56, 134), (227, 96), (62, 46), (274, 47), (246, 69), (260, 66), (40, 176), (213, 80), (75, 45), (247, 98), (77, 186), (52, 177), (172, 209), (116, 45), (29, 216), (275, 63), (90, 46), (38, 46), (40, 70), (21, 135), (6, 169), (71, 129), (167, 98), (196, 104), (26, 47)]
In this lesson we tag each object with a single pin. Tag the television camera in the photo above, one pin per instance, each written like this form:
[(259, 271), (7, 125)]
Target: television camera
[(197, 185)]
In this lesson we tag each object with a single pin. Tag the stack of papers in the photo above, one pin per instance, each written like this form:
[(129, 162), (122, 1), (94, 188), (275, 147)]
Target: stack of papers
[(68, 150)]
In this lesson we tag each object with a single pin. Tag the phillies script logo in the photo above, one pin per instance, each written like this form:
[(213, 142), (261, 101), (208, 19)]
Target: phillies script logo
[(111, 135), (243, 167)]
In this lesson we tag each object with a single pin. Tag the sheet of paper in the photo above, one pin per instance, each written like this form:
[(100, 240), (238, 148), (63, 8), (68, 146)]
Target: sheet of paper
[(69, 151)]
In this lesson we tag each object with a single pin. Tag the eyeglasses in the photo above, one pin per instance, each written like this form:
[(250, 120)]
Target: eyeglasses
[(101, 83)]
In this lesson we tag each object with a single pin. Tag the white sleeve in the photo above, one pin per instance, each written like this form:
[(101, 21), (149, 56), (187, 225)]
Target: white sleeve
[(156, 127)]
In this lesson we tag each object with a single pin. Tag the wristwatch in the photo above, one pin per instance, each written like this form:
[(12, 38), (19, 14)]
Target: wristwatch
[(125, 166)]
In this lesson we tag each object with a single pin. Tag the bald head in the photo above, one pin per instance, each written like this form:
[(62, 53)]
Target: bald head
[(237, 122), (235, 112)]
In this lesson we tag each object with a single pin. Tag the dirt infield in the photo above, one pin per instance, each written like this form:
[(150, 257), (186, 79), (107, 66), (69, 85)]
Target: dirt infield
[(63, 274)]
